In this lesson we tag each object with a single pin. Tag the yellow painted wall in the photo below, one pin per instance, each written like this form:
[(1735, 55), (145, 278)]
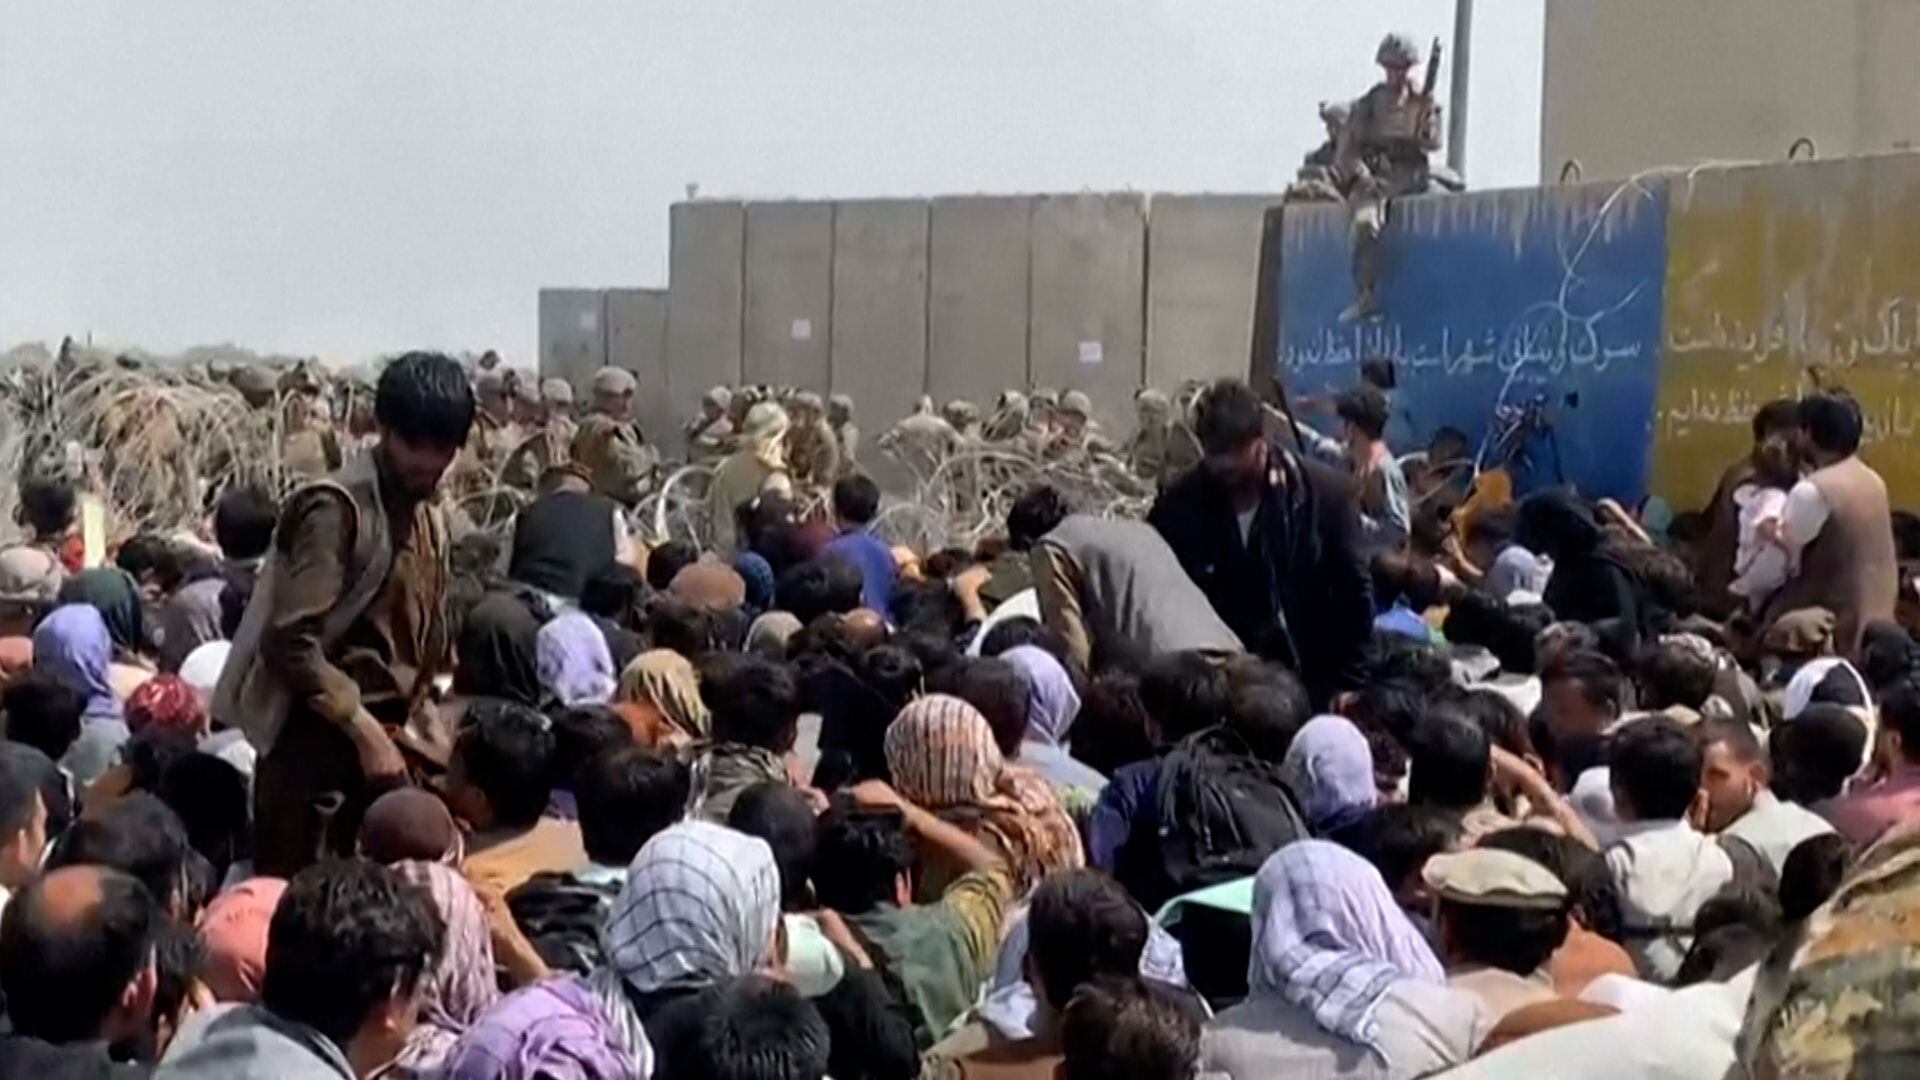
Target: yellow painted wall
[(1776, 276)]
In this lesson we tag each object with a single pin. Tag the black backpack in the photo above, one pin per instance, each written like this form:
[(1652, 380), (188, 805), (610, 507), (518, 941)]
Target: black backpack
[(1219, 812)]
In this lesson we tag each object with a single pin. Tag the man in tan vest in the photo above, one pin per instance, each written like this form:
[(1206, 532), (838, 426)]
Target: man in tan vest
[(1837, 525), (347, 626)]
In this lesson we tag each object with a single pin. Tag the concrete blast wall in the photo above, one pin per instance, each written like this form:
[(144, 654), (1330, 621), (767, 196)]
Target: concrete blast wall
[(958, 297)]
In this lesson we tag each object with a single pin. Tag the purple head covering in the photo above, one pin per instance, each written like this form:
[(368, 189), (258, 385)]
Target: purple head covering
[(1328, 938), (552, 1030), (460, 988), (575, 665), (1330, 770), (1052, 702), (74, 646)]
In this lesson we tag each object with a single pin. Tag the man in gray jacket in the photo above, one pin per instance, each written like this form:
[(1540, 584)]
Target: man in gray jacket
[(1111, 587)]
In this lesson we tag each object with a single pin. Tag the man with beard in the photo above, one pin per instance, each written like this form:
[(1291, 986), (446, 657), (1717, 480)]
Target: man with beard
[(346, 628)]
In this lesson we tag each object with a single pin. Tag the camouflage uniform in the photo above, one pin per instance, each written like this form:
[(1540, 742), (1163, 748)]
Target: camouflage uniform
[(1078, 432), (550, 442), (1315, 180), (964, 417), (709, 436), (846, 433), (922, 440), (813, 452), (1382, 155), (1161, 447), (614, 453)]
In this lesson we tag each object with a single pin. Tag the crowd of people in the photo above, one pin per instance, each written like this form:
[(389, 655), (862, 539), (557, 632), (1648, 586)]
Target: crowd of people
[(1327, 768)]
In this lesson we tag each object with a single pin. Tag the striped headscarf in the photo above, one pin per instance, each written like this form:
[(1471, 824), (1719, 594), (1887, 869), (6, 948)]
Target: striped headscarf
[(1328, 937), (460, 987), (941, 754), (699, 908)]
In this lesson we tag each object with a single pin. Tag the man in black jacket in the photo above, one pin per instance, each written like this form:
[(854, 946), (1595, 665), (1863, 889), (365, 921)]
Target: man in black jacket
[(1274, 541)]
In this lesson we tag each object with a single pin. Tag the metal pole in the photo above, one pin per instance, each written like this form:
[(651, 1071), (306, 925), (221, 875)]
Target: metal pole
[(1457, 94)]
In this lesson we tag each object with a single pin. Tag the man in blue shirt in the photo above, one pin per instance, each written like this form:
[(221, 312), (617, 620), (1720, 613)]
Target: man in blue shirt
[(856, 499)]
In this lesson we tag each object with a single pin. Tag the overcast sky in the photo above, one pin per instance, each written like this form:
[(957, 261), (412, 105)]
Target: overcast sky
[(347, 178)]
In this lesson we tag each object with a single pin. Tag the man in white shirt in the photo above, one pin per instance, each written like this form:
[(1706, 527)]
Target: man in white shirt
[(1734, 775), (1662, 866)]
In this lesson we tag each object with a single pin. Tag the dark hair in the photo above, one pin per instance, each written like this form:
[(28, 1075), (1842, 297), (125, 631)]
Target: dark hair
[(1599, 678), (63, 973), (1011, 633), (346, 936), (944, 564), (1655, 763), (856, 498), (581, 734), (1591, 890), (425, 398), (1227, 417), (1518, 940), (1448, 756), (616, 591), (1000, 692), (507, 751), (212, 800), (1775, 462), (1184, 692), (38, 769), (1493, 528), (1738, 737), (1814, 753), (1721, 953), (682, 626), (1266, 706), (1780, 414), (178, 962), (1900, 710), (1738, 904), (1502, 720), (667, 560), (860, 857), (753, 701), (1034, 514), (1113, 729), (243, 522), (1082, 925), (758, 1028), (626, 795), (1831, 419), (1673, 674), (1812, 873), (137, 834), (43, 712), (1398, 839), (1906, 535), (47, 504), (809, 590), (1397, 659), (1511, 634), (780, 815), (1128, 1029), (1365, 407), (17, 793)]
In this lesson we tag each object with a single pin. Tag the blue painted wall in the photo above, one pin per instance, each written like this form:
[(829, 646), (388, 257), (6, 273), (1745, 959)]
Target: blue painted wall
[(1489, 297)]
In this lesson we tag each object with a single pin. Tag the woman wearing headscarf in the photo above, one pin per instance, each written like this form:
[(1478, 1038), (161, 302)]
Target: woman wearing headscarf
[(757, 573), (941, 754), (1339, 983), (699, 909), (1329, 768), (498, 647), (167, 703), (1052, 706), (760, 464), (116, 596), (664, 682), (574, 663), (1589, 583), (554, 1030), (768, 635), (460, 986), (74, 647)]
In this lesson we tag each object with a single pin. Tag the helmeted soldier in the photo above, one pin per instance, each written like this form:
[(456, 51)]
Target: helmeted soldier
[(1162, 447), (710, 435), (845, 431), (922, 440), (609, 445), (963, 416), (1382, 154), (813, 453)]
